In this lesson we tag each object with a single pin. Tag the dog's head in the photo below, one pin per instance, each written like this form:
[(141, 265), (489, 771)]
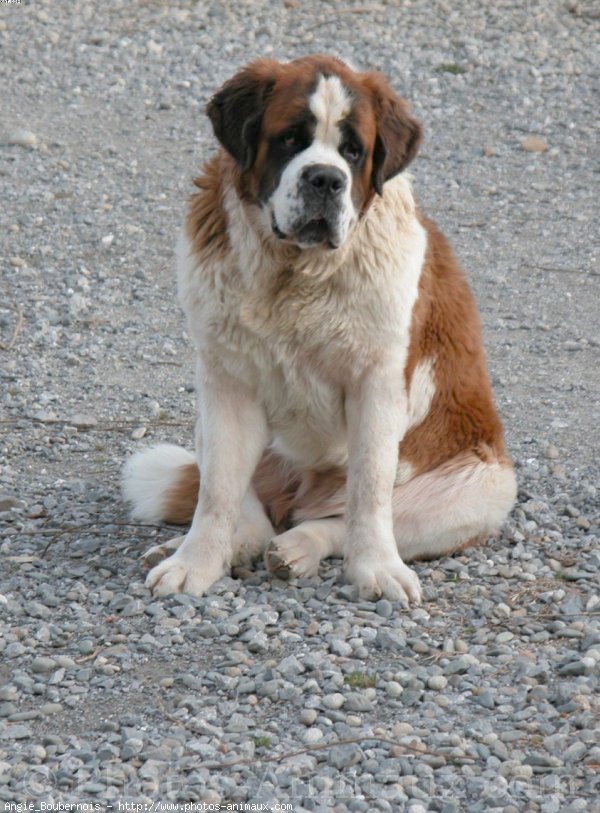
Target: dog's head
[(314, 141)]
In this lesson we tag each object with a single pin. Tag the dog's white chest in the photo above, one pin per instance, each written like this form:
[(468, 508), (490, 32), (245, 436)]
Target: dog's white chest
[(303, 403), (306, 416), (300, 347)]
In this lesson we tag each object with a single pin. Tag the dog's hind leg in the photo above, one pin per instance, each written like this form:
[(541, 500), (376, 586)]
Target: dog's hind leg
[(460, 503), (436, 514), (157, 553)]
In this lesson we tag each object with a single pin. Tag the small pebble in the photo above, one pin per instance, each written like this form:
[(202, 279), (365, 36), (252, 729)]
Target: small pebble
[(333, 701), (534, 143), (23, 138), (384, 608), (308, 716), (312, 736), (42, 665)]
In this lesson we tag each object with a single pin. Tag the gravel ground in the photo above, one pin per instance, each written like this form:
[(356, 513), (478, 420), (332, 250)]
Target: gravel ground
[(486, 697)]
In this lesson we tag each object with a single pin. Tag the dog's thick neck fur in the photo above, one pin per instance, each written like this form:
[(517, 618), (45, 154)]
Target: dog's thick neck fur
[(251, 237)]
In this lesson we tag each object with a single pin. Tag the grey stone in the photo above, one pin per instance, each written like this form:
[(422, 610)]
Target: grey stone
[(344, 756), (333, 701), (14, 649), (290, 667), (22, 138), (8, 502), (42, 665), (339, 647), (486, 699), (390, 640), (384, 608), (348, 592), (460, 665), (93, 787), (8, 692), (541, 760), (131, 748), (16, 732), (192, 681), (575, 752), (356, 701), (572, 668), (312, 736), (308, 716)]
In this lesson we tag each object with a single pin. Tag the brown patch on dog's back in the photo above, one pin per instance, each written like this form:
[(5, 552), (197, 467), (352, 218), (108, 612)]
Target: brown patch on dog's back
[(446, 328)]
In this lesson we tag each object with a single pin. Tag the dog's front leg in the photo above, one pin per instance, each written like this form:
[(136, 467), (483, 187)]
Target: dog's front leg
[(376, 412), (233, 432)]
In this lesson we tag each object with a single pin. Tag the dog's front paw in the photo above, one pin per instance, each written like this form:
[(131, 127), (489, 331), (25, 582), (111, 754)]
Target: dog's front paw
[(184, 573), (383, 576)]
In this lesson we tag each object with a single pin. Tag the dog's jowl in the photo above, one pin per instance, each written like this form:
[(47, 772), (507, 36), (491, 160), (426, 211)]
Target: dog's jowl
[(344, 407)]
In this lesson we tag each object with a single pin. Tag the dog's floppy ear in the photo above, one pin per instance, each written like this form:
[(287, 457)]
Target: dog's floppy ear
[(236, 110), (398, 133)]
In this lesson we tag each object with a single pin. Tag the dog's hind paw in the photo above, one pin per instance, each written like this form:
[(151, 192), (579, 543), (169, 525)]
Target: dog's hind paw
[(293, 554)]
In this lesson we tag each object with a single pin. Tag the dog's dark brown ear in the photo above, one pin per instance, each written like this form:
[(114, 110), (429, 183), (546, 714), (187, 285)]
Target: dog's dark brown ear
[(398, 133), (236, 110)]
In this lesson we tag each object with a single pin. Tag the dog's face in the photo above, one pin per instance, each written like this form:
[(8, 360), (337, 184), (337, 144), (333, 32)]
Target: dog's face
[(314, 141)]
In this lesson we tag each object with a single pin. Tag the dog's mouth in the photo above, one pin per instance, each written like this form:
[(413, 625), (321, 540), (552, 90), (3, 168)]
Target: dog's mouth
[(312, 232), (315, 231)]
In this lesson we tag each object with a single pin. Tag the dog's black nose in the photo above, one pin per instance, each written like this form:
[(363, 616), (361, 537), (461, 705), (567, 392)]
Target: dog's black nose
[(325, 179)]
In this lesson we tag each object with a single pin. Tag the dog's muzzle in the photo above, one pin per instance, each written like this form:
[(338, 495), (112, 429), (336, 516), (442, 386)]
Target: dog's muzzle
[(320, 187)]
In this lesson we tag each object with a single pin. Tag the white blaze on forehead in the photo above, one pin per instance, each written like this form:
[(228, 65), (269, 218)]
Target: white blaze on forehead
[(330, 103)]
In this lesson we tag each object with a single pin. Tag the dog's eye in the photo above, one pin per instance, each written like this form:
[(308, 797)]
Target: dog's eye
[(351, 151), (289, 139)]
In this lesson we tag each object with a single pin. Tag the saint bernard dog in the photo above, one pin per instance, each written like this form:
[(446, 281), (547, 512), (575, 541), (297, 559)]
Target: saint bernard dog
[(344, 408)]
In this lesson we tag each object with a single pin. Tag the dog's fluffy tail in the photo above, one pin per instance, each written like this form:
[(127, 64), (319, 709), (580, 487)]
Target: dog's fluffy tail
[(161, 483)]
